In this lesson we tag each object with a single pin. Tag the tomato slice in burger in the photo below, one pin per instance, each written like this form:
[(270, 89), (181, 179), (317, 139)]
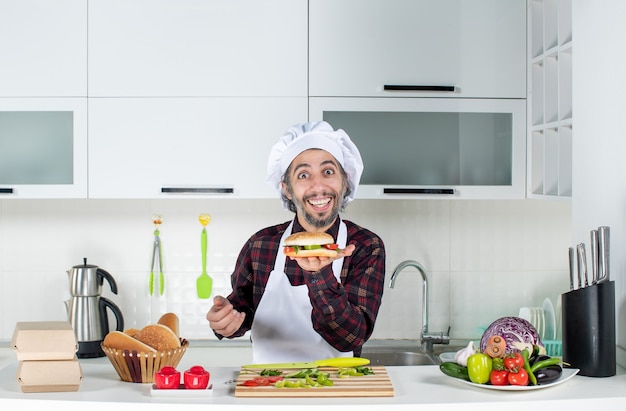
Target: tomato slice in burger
[(331, 246)]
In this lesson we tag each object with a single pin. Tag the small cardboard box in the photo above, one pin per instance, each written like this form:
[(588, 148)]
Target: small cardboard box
[(44, 340), (49, 376)]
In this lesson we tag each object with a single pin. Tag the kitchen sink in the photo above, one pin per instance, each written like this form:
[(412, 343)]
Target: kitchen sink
[(387, 357), (405, 355)]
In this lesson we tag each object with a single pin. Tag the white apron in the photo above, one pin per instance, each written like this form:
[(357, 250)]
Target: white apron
[(282, 330)]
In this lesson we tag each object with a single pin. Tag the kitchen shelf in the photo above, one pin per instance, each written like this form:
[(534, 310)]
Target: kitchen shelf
[(550, 114)]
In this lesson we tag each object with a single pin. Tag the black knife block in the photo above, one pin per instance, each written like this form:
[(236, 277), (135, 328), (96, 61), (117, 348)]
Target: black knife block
[(589, 329)]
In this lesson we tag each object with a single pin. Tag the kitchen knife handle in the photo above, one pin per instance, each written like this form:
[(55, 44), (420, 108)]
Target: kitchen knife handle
[(603, 253), (572, 265), (4, 190), (594, 256), (582, 265), (406, 87)]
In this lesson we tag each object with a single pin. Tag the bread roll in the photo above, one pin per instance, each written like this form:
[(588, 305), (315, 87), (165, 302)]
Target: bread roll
[(305, 238), (121, 341), (309, 238), (131, 331), (159, 337), (170, 320)]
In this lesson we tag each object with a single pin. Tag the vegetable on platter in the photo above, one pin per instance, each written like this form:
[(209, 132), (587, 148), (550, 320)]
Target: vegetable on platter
[(510, 353), (517, 333)]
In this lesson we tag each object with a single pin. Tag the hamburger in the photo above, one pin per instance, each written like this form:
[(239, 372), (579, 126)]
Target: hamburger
[(306, 244)]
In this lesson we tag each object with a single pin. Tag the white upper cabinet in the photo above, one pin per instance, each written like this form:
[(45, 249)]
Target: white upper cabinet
[(185, 147), (442, 48), (43, 48), (43, 147), (195, 48)]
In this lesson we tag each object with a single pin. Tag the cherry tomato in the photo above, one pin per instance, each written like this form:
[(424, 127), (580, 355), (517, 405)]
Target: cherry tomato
[(518, 378), (167, 378), (499, 377), (196, 378), (514, 362)]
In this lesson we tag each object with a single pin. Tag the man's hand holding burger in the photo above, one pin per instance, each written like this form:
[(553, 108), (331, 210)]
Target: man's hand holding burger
[(314, 251)]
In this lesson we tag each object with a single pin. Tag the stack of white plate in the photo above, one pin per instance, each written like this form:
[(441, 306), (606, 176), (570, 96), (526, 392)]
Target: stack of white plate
[(542, 318), (534, 315)]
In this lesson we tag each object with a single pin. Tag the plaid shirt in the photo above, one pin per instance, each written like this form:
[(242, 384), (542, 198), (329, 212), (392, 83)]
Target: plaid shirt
[(343, 313)]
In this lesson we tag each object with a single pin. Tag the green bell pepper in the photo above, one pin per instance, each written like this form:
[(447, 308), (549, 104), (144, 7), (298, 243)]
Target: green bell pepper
[(479, 368)]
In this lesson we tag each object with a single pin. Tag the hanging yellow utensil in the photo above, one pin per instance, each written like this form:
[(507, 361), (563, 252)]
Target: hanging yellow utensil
[(204, 283)]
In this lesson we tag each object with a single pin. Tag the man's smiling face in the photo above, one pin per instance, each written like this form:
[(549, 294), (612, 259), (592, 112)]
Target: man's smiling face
[(316, 187)]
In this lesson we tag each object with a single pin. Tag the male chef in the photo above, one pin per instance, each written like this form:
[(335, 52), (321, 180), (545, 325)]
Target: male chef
[(307, 308)]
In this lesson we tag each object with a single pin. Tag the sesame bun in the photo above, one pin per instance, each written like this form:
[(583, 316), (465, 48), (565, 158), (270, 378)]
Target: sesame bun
[(159, 337), (171, 321), (131, 331), (305, 238)]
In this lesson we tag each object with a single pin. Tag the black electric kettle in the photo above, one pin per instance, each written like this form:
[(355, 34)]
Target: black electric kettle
[(87, 309)]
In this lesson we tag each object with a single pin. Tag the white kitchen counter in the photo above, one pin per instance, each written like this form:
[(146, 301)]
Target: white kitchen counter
[(423, 387)]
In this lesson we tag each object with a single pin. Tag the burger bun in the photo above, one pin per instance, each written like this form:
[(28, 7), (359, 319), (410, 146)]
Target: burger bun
[(305, 238)]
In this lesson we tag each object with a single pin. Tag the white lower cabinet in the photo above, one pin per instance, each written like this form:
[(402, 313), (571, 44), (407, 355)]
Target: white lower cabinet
[(185, 147)]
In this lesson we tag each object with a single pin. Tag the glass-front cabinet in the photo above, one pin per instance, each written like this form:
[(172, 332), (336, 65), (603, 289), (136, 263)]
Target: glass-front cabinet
[(43, 148), (434, 147)]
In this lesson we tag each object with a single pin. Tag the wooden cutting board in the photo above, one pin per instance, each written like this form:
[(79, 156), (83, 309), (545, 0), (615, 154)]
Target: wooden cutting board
[(376, 385)]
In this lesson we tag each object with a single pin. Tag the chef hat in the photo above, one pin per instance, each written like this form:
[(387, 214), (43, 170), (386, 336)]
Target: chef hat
[(318, 134)]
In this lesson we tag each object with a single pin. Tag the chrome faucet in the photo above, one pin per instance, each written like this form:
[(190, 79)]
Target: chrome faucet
[(427, 339)]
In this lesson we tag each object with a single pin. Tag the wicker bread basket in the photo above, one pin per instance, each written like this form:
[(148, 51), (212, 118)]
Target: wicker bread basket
[(133, 366)]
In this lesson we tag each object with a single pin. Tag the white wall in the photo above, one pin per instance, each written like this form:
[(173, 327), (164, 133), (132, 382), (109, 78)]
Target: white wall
[(485, 259), (599, 147)]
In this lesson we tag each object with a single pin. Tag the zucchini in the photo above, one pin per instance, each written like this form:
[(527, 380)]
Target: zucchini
[(455, 370)]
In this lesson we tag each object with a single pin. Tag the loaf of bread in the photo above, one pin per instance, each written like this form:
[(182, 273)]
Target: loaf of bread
[(170, 320), (122, 341)]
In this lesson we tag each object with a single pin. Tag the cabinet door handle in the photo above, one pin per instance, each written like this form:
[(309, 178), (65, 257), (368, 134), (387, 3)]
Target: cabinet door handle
[(444, 191), (404, 87), (197, 190), (6, 190)]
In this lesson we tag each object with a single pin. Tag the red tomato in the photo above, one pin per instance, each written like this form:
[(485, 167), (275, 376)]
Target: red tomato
[(167, 378), (499, 377), (288, 250), (331, 246), (250, 383), (518, 378), (514, 362), (196, 378), (273, 379)]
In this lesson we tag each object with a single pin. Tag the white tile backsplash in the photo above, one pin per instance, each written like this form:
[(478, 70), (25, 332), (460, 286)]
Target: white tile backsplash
[(484, 259)]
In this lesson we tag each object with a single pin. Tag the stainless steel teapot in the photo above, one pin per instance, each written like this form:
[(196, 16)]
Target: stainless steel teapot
[(87, 310)]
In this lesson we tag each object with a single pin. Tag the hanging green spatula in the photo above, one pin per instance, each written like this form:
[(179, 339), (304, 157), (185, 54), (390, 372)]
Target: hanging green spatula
[(204, 283)]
